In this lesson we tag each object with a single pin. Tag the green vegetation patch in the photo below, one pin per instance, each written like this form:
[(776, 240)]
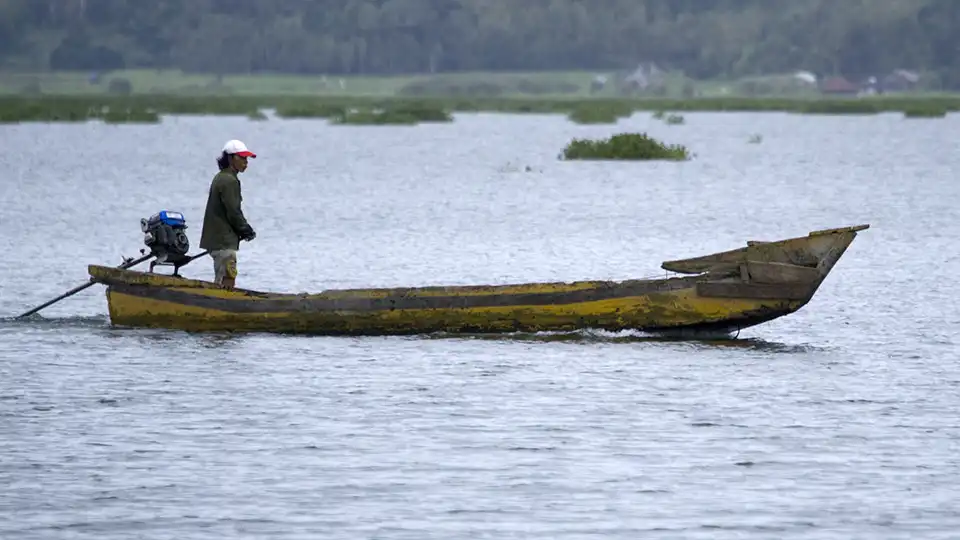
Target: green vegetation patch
[(624, 146), (850, 106), (317, 109), (401, 114), (130, 116), (600, 113), (932, 111), (674, 119)]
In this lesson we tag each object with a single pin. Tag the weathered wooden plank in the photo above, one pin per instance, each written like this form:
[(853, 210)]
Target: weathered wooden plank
[(773, 272)]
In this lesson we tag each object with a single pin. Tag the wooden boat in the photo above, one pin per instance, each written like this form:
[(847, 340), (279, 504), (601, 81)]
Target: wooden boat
[(718, 293)]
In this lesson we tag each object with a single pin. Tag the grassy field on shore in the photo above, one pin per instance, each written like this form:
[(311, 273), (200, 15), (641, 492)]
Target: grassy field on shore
[(179, 83), (145, 96), (548, 84)]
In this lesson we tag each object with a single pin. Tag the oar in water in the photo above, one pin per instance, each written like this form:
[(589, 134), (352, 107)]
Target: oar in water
[(75, 290)]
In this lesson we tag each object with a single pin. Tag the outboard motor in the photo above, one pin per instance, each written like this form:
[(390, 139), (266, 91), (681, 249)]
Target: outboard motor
[(164, 233)]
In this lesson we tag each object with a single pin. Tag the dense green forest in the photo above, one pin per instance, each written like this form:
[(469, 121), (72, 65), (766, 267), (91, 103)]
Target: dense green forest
[(703, 38)]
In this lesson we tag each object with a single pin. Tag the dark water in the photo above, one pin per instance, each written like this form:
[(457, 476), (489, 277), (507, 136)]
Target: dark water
[(836, 422)]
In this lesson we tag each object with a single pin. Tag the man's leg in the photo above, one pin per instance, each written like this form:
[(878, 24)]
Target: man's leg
[(225, 267), (217, 266)]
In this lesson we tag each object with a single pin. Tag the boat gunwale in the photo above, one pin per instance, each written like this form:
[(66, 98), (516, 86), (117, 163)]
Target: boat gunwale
[(721, 280), (109, 276)]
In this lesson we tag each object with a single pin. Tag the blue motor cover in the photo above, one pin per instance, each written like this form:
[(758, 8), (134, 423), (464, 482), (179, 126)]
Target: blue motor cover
[(174, 219)]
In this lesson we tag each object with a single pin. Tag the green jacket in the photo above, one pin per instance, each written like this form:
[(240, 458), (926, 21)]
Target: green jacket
[(223, 222)]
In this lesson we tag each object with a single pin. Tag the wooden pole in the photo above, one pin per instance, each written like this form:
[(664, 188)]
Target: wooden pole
[(75, 290)]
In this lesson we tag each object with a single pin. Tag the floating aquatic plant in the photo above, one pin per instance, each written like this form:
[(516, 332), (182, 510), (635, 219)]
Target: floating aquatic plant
[(847, 106), (394, 115), (925, 112), (674, 119), (601, 113), (310, 110), (130, 116), (624, 146)]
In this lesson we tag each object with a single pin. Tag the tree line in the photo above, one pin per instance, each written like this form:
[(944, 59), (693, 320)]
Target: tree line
[(703, 38)]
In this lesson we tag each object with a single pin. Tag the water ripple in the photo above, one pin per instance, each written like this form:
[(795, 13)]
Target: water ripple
[(836, 422)]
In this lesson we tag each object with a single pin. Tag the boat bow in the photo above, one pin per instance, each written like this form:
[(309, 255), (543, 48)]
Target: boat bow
[(791, 269)]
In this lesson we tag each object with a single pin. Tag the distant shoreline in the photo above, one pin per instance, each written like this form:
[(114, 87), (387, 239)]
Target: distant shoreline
[(471, 85)]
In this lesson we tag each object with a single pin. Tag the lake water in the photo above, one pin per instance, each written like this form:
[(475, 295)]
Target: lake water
[(836, 422)]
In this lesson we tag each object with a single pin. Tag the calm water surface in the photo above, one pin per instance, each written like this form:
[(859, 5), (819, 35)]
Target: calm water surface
[(837, 422)]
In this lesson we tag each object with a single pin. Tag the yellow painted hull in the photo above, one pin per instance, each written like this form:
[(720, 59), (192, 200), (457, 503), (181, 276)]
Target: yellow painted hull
[(737, 290)]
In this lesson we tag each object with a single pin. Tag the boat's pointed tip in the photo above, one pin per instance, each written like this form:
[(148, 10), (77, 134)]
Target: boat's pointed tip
[(841, 230)]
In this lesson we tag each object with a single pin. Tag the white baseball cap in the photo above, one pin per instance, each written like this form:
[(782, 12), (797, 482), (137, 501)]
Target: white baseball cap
[(237, 147)]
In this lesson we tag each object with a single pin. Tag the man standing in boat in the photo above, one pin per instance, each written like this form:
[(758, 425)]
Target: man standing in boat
[(224, 224)]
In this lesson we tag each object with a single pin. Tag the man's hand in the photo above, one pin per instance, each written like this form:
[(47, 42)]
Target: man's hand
[(249, 234)]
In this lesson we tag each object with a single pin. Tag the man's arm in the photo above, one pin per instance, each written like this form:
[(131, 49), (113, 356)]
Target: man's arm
[(230, 197)]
